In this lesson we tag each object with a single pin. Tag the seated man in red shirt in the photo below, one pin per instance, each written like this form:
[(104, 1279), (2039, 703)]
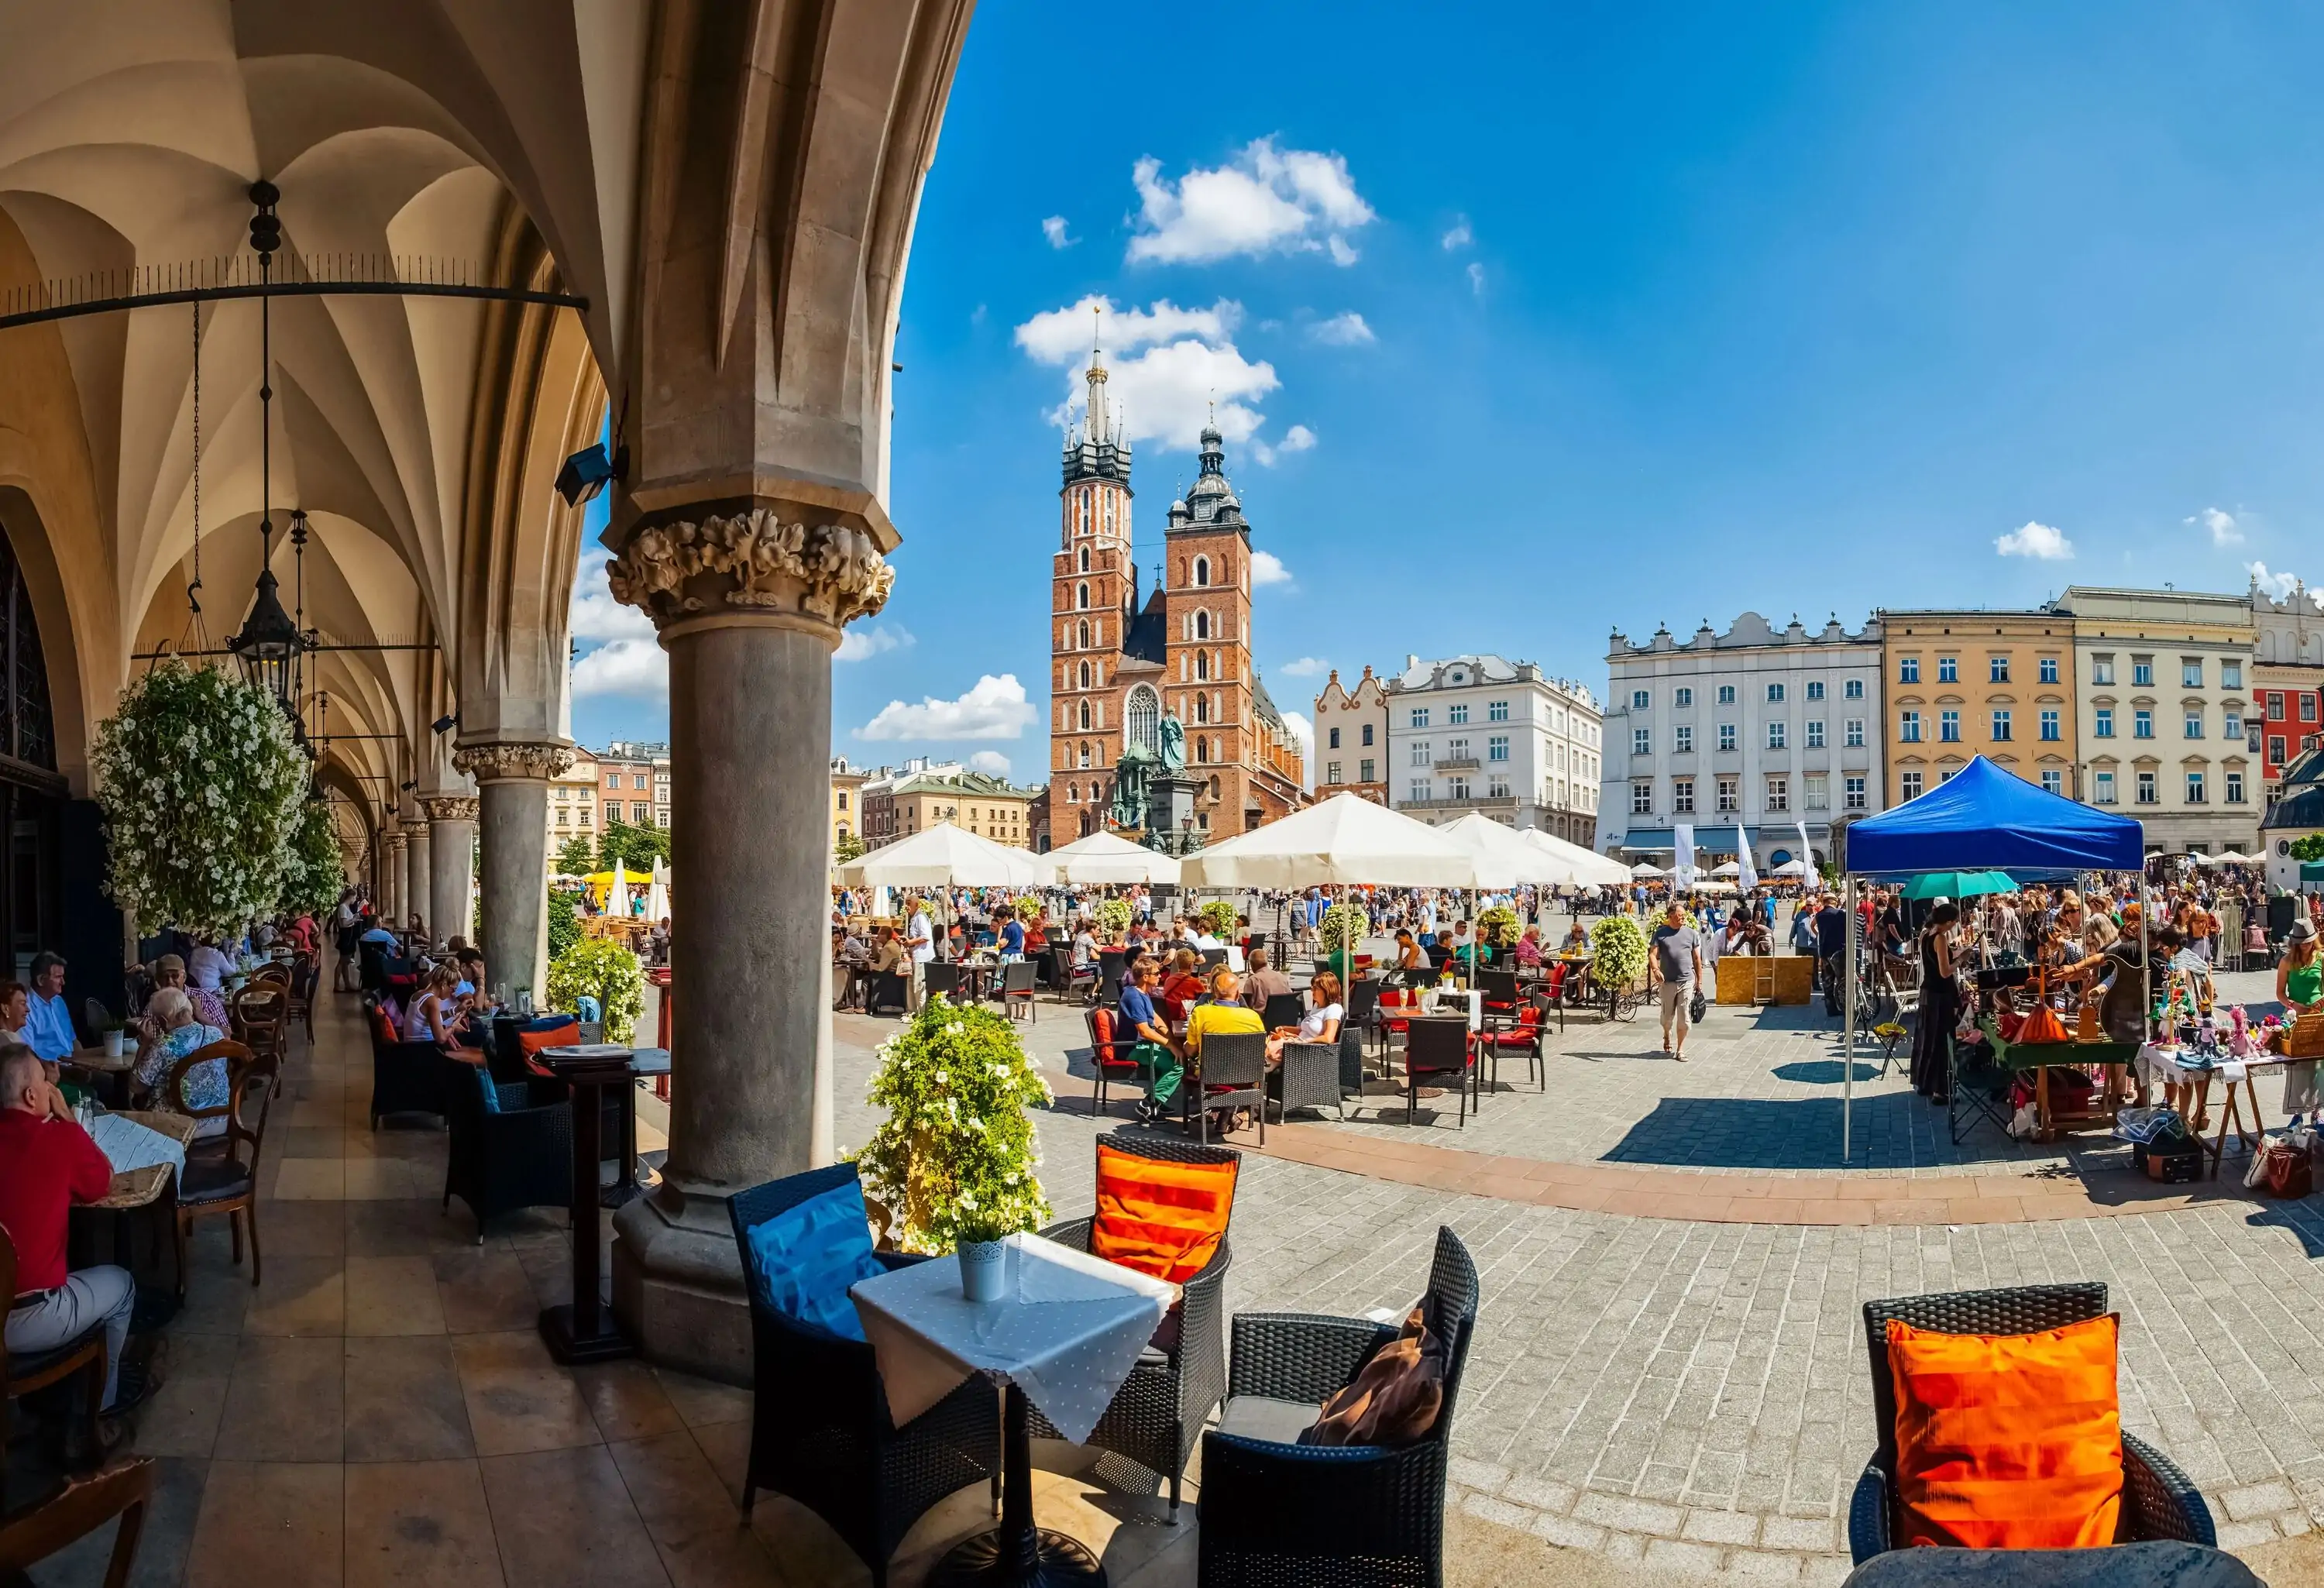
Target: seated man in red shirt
[(47, 1163)]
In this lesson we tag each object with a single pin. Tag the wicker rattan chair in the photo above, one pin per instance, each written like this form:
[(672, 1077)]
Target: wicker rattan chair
[(1277, 1513), (2158, 1500), (820, 1428), (517, 1155), (1160, 1408), (1228, 1071), (406, 1077), (1309, 1077)]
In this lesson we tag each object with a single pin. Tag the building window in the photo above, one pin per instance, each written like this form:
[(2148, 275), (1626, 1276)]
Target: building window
[(1779, 794), (2234, 727), (1853, 734), (1815, 688), (1081, 596), (1949, 669), (1727, 800), (1683, 739), (1419, 791), (1640, 699), (1457, 749), (2191, 673), (1774, 693), (2102, 722), (2231, 673), (1364, 769), (1851, 790), (564, 818), (2275, 745), (1682, 697), (1085, 715), (1908, 785), (1726, 693), (1642, 741), (2146, 789), (1335, 738), (1815, 736), (1496, 747), (1202, 570), (2054, 781), (1853, 689), (1367, 734), (1949, 727), (2050, 729), (2274, 706), (1332, 772), (1422, 756), (2142, 723), (2101, 669), (1908, 727), (1420, 716), (1497, 789), (1816, 794), (2307, 707), (641, 813), (2001, 726), (1727, 735), (1641, 797), (1683, 796), (1456, 786), (2194, 788), (2190, 725), (1908, 669), (2049, 670), (587, 817), (2235, 787), (2141, 672), (1998, 670)]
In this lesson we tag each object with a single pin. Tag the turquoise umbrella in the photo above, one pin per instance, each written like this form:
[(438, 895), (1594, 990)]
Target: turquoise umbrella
[(1958, 884)]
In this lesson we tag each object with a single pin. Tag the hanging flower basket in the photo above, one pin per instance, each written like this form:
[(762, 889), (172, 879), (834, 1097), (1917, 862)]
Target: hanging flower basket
[(201, 786), (317, 871)]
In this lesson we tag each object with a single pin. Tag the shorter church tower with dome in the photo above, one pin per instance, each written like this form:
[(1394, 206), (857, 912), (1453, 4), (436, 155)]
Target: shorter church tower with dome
[(1123, 660)]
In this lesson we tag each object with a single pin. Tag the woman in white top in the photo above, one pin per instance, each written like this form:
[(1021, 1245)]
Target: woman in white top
[(207, 967), (1321, 1023), (433, 1009)]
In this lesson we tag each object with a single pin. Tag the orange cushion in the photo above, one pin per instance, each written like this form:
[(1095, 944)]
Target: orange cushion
[(1159, 1217), (2007, 1441), (559, 1035), (387, 1032)]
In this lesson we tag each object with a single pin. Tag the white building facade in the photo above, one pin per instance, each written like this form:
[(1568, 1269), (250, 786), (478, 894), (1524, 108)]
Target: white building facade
[(1762, 727), (1484, 733)]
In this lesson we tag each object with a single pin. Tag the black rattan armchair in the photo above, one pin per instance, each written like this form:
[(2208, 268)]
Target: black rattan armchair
[(1160, 1408), (820, 1428), (1309, 1077), (520, 1155), (1277, 1513), (2158, 1500), (406, 1077), (1228, 1071)]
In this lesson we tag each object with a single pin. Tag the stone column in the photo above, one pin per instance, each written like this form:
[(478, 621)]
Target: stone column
[(418, 883), (451, 838), (749, 608), (512, 785), (392, 876)]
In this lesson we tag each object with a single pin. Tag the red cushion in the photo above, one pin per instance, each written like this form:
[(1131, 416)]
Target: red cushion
[(384, 1026)]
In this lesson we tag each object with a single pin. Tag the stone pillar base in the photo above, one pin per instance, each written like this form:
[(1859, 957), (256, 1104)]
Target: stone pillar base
[(678, 1284)]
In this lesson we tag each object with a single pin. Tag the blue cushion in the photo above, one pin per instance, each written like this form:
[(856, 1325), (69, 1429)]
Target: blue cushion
[(809, 1254), (491, 1089)]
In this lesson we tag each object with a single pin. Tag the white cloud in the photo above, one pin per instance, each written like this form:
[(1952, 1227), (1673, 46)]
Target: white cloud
[(1305, 667), (1266, 201), (1459, 236), (624, 666), (2279, 585), (995, 708), (2220, 525), (1063, 335), (1297, 439), (595, 615), (1266, 568), (2035, 540), (1054, 229), (990, 763), (1341, 330), (1476, 278), (872, 639)]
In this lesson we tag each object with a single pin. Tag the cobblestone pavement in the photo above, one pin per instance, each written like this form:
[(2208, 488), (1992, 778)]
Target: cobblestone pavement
[(1694, 1396)]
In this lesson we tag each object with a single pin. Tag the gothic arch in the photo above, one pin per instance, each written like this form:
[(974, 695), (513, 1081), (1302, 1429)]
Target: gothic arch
[(1142, 712)]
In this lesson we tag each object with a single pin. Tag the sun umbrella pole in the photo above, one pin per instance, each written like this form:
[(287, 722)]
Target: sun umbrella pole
[(1848, 1043)]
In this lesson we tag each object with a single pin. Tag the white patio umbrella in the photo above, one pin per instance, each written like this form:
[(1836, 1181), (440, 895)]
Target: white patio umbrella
[(1104, 858), (1590, 868), (1647, 868), (617, 897), (946, 856), (1790, 868), (658, 894), (1344, 840), (1731, 869), (2226, 857), (1502, 856)]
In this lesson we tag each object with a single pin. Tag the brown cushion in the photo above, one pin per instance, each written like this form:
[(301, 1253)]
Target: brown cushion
[(1395, 1396)]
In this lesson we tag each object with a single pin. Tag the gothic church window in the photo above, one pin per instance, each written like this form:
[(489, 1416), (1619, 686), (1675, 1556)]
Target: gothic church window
[(1202, 625), (1081, 596), (1085, 715), (1084, 559), (1085, 675), (1084, 632), (1202, 664), (1145, 718), (1202, 570)]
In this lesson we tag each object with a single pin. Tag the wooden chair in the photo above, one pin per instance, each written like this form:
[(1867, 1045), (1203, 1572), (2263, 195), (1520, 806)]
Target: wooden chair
[(23, 1372), (258, 1015), (226, 1183), (78, 1509)]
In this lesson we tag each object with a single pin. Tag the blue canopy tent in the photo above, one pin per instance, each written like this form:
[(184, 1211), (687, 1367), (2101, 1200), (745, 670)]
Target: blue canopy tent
[(1980, 818)]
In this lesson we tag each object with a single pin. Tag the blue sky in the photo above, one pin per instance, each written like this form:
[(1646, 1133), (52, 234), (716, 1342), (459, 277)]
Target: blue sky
[(1658, 313)]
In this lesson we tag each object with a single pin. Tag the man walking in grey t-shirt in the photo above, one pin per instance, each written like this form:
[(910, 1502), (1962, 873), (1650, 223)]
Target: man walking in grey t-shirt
[(1677, 968)]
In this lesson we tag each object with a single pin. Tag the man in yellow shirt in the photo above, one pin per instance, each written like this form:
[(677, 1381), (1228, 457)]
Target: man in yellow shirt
[(1222, 1014)]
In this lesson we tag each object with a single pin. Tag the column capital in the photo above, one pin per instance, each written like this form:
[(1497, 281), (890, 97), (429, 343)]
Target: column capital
[(513, 762), (449, 807), (752, 564)]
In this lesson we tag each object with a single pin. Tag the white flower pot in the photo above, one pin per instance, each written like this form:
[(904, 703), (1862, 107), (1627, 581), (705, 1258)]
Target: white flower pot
[(982, 1264)]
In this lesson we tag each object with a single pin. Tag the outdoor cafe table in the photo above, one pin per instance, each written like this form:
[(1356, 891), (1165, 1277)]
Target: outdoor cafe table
[(2163, 1063), (581, 1330), (106, 1069), (1064, 1333), (143, 1186)]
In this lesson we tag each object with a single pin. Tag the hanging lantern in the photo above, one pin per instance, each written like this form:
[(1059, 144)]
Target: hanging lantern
[(269, 645)]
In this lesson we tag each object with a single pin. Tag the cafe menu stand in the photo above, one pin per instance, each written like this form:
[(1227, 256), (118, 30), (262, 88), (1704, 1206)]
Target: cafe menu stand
[(582, 1330)]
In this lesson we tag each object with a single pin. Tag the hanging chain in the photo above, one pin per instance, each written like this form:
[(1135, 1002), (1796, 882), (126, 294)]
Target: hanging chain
[(196, 635)]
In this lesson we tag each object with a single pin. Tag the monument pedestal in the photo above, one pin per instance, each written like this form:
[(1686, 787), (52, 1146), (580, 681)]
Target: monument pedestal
[(1170, 819)]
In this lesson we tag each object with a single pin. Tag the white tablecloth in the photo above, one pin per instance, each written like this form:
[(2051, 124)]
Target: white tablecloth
[(128, 1145), (1067, 1330)]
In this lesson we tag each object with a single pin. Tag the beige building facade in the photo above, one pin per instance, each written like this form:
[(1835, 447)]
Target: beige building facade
[(846, 801), (989, 807), (1351, 739)]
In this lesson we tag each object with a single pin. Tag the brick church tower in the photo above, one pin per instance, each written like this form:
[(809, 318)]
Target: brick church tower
[(1093, 597)]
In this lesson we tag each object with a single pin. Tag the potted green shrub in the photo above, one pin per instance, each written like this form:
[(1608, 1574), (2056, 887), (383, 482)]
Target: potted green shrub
[(1113, 916), (1497, 927), (956, 1158), (1343, 928), (602, 969), (1618, 955), (1219, 918)]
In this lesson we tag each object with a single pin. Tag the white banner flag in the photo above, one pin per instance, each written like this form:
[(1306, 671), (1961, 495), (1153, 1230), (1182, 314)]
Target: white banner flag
[(1748, 877), (1683, 866), (1807, 858)]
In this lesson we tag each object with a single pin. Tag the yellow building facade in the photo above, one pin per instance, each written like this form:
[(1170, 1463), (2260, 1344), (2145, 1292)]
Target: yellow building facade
[(1959, 683)]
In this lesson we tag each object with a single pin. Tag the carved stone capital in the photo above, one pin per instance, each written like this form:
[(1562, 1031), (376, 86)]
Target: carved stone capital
[(449, 807), (751, 562), (513, 760)]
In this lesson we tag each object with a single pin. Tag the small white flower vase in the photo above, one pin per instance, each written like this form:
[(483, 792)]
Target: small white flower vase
[(113, 1043), (981, 1265)]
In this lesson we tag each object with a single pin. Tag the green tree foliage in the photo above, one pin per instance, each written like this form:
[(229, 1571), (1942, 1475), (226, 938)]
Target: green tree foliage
[(600, 968), (847, 848), (956, 1154), (2311, 847), (635, 847), (578, 858)]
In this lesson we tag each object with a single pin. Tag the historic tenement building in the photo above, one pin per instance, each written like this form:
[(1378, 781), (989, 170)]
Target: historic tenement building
[(1122, 662)]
